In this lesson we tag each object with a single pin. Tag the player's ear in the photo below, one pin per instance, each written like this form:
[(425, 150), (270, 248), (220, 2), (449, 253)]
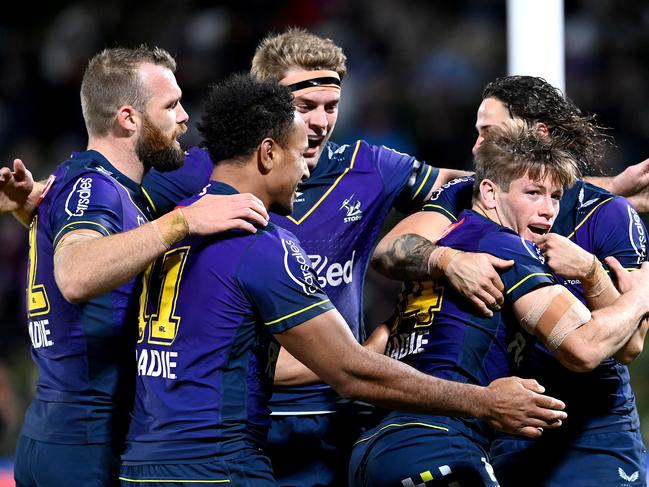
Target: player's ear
[(542, 129), (266, 153), (488, 191), (128, 118)]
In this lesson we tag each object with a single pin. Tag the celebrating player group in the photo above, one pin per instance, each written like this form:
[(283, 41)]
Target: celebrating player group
[(196, 315)]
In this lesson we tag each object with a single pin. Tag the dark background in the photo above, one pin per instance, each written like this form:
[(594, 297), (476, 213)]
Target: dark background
[(416, 72)]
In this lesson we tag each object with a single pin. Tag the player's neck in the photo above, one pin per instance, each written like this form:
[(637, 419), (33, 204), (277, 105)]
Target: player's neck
[(245, 178), (490, 214), (120, 154)]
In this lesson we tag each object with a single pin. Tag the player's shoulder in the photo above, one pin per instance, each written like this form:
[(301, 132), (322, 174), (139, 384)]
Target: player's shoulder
[(83, 171), (198, 160), (88, 162), (588, 196), (454, 186), (276, 236), (498, 240), (360, 153), (592, 204)]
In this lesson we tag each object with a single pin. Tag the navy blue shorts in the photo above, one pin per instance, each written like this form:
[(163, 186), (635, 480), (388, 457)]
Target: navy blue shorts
[(43, 464), (251, 471), (414, 451), (313, 450), (558, 459)]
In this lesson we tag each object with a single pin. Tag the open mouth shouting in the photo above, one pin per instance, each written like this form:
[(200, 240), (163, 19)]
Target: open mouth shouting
[(538, 229)]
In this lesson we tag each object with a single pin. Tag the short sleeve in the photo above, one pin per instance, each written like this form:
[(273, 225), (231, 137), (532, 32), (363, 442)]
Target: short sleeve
[(403, 175), (451, 198), (276, 274), (166, 189), (618, 231), (529, 271), (89, 201)]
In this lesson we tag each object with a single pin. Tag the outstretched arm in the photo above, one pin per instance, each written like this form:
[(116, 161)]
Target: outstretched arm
[(289, 371), (18, 192), (510, 404), (87, 264), (633, 183)]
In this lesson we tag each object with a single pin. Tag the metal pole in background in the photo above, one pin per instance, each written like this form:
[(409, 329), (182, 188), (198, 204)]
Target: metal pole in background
[(535, 39)]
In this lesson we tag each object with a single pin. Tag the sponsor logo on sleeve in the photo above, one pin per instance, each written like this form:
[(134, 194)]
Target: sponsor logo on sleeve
[(79, 198), (637, 235), (438, 192), (298, 268)]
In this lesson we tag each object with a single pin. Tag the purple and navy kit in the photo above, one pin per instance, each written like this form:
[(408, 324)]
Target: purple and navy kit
[(602, 434), (83, 352), (206, 352), (435, 330), (337, 216), (605, 225)]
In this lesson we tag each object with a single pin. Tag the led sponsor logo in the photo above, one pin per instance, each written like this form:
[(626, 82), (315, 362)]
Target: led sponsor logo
[(79, 198), (405, 344), (305, 277), (336, 273)]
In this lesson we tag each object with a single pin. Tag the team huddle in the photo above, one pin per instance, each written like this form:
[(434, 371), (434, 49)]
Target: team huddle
[(196, 315)]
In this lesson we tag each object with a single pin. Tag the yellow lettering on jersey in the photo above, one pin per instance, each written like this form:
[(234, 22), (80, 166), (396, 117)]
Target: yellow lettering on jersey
[(143, 316), (159, 296), (37, 302), (422, 302)]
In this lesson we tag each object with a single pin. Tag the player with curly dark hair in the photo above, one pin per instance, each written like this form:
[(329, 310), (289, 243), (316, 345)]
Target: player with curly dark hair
[(270, 108), (535, 100)]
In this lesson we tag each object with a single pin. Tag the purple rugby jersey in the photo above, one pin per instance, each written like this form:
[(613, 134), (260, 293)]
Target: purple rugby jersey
[(206, 352), (84, 351)]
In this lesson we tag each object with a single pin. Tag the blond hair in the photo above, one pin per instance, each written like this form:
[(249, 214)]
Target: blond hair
[(296, 48)]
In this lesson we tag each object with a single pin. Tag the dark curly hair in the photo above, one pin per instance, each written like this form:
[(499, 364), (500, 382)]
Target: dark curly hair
[(240, 112), (535, 100)]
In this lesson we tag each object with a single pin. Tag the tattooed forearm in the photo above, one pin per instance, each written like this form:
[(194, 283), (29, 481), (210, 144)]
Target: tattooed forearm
[(403, 258)]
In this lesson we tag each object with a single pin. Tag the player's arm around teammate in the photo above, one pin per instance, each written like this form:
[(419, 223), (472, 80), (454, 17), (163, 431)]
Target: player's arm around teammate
[(569, 260), (86, 263), (510, 404)]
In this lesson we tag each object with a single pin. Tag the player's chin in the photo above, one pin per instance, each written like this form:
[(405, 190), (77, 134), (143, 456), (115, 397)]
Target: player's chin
[(312, 155)]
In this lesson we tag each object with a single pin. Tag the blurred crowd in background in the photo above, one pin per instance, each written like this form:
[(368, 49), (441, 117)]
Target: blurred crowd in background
[(416, 73)]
